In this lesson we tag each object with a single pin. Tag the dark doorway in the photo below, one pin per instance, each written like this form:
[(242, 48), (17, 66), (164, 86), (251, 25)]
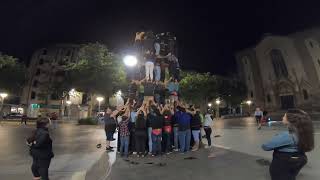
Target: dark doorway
[(287, 102)]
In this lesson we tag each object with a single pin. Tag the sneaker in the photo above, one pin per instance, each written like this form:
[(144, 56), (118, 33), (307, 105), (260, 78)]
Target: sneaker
[(142, 156), (168, 153), (176, 150), (207, 147), (134, 153), (194, 149)]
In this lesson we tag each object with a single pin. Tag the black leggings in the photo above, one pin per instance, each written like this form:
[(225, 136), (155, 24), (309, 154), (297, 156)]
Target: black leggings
[(140, 143), (40, 168), (286, 166), (208, 131)]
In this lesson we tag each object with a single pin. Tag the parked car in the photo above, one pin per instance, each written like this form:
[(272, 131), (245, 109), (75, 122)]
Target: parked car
[(13, 116)]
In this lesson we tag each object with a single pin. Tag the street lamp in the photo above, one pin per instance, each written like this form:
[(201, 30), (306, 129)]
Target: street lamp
[(249, 102), (218, 102), (3, 96), (99, 99), (209, 104), (130, 60)]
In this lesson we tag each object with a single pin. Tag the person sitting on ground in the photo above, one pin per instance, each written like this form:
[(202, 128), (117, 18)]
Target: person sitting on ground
[(289, 147)]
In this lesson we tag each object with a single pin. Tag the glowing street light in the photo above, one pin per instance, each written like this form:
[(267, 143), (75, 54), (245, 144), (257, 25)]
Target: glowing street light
[(99, 99), (130, 60), (68, 102), (249, 102), (209, 104), (3, 96), (218, 102)]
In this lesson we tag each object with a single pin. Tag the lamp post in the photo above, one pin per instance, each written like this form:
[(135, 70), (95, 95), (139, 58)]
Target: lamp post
[(99, 99), (249, 102), (3, 96), (68, 105), (218, 102)]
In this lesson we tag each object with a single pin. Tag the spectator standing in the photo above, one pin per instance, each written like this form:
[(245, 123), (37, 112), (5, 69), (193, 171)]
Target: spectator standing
[(41, 150), (207, 124), (289, 147)]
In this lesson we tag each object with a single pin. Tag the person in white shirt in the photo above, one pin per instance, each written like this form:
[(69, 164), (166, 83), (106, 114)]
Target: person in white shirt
[(207, 124), (258, 114)]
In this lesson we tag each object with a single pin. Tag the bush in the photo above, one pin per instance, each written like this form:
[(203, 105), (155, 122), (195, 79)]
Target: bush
[(87, 121)]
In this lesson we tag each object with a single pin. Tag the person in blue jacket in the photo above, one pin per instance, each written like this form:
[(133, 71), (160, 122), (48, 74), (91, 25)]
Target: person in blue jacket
[(289, 147)]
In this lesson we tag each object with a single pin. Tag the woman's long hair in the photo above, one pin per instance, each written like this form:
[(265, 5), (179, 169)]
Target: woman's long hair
[(301, 124)]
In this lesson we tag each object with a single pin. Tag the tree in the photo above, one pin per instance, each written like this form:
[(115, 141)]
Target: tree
[(12, 75), (198, 88), (97, 71), (201, 88)]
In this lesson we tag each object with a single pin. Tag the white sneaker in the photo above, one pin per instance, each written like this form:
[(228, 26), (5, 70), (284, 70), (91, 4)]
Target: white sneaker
[(134, 153), (176, 150), (208, 147)]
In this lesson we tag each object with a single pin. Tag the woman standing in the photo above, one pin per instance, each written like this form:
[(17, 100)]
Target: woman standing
[(290, 146), (141, 132), (207, 124), (41, 150), (258, 115)]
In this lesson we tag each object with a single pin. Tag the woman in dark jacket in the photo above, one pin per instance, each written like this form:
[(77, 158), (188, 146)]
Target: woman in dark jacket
[(289, 146), (41, 150), (141, 133)]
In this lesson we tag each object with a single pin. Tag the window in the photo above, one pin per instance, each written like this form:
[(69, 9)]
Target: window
[(305, 94), (311, 44), (38, 72), (268, 98), (35, 83), (33, 95), (41, 61), (44, 52), (60, 73), (249, 78), (251, 94), (278, 63)]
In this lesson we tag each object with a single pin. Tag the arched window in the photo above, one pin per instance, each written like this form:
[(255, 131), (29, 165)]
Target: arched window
[(251, 94), (35, 83), (278, 63), (305, 94)]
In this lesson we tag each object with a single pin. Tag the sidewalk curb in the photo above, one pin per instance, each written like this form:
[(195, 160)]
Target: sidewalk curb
[(100, 170)]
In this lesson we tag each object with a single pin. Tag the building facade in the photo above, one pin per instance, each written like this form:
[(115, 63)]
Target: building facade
[(283, 72), (46, 66)]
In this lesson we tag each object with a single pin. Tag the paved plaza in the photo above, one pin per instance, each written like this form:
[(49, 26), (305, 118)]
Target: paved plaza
[(237, 155)]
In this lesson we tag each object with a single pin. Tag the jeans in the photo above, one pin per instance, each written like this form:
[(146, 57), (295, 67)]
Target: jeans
[(149, 70), (285, 167), (150, 139), (157, 72), (55, 124), (157, 48), (40, 168), (195, 134), (156, 144), (124, 145), (208, 131), (176, 137), (184, 140)]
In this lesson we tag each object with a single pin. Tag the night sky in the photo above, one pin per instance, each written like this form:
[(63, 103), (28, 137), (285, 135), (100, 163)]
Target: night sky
[(208, 32)]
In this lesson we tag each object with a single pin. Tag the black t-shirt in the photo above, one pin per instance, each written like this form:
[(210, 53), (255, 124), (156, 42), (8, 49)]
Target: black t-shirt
[(196, 122), (149, 88)]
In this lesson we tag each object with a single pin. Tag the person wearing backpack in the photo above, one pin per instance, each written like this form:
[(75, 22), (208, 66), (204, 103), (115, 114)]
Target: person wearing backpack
[(289, 147)]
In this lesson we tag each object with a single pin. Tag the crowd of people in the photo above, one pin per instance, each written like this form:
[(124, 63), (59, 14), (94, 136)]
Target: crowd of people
[(155, 129)]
